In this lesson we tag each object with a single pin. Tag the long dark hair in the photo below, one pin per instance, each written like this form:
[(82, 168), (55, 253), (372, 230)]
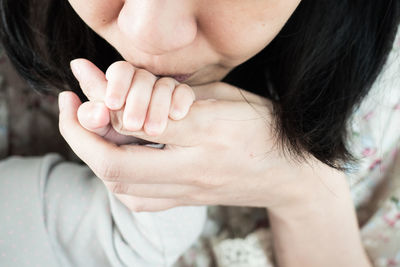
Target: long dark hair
[(316, 71)]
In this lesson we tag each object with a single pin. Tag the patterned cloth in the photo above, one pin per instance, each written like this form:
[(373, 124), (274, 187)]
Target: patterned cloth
[(239, 236)]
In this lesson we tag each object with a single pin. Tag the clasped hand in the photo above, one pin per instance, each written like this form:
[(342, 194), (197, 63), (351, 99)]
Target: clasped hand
[(223, 152)]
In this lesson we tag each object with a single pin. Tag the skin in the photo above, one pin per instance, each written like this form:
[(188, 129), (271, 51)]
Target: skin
[(207, 37), (139, 98), (309, 204)]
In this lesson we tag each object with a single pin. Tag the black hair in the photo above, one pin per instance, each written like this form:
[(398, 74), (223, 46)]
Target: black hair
[(316, 71)]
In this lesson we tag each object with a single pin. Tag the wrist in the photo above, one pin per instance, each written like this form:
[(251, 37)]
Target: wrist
[(315, 186), (318, 225)]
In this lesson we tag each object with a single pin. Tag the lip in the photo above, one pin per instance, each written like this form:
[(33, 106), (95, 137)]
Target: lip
[(179, 77)]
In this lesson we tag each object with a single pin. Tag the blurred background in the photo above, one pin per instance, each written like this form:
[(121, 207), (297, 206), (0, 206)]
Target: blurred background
[(28, 120)]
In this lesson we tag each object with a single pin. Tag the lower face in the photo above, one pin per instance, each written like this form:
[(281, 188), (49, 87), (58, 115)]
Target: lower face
[(205, 38)]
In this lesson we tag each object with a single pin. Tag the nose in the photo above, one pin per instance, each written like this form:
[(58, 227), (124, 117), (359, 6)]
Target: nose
[(158, 26)]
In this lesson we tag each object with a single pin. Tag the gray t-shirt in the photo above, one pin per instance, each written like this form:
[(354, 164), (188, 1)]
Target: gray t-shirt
[(57, 213)]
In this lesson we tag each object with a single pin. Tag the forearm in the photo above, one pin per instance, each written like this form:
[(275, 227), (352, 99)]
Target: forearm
[(320, 231)]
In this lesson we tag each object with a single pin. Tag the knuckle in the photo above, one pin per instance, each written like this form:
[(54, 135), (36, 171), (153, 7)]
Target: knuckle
[(107, 171), (209, 183), (197, 198), (119, 66), (117, 188), (144, 74), (164, 83), (137, 206), (185, 88), (205, 179), (196, 182), (202, 182)]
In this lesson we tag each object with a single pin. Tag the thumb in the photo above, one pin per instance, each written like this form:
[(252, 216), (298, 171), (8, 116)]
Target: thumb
[(68, 103), (81, 141)]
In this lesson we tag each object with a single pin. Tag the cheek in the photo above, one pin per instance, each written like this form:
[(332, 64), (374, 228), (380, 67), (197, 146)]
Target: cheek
[(239, 33), (97, 13)]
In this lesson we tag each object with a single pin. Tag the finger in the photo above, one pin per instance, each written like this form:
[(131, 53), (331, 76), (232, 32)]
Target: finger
[(138, 204), (227, 92), (157, 113), (202, 113), (91, 79), (205, 118), (175, 191), (109, 162), (138, 100), (182, 99), (94, 117), (184, 133), (74, 133), (119, 76)]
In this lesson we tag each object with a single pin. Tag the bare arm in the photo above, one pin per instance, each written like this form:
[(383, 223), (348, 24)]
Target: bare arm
[(320, 229)]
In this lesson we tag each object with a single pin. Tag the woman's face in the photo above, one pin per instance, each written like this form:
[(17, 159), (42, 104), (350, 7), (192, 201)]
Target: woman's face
[(173, 37)]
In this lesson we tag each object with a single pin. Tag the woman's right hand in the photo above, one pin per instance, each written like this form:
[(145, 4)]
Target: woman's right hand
[(95, 115), (201, 150), (142, 100)]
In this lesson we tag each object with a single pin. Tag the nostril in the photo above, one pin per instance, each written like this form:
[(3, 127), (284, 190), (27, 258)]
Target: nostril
[(155, 30)]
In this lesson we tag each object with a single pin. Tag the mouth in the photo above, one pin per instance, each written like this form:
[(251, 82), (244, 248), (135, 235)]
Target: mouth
[(179, 77)]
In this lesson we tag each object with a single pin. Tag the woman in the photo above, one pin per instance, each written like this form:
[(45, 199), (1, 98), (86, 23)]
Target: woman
[(313, 60)]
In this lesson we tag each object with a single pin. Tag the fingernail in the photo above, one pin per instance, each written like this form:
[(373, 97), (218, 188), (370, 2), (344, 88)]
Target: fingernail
[(75, 68), (61, 101)]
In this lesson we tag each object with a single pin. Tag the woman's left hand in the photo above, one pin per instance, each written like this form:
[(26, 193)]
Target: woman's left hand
[(224, 152)]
